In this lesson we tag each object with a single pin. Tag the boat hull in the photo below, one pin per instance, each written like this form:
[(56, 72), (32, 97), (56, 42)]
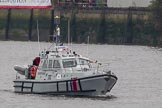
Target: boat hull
[(87, 86)]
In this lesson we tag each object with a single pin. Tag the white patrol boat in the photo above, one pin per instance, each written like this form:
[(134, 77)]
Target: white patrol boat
[(62, 72)]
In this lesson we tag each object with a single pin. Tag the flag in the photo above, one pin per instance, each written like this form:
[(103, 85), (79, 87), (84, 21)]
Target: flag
[(25, 3)]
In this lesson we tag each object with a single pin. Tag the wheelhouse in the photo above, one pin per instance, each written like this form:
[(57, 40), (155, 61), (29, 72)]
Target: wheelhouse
[(75, 63)]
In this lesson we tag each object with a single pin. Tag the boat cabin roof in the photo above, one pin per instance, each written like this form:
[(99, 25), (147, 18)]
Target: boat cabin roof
[(60, 52), (62, 59)]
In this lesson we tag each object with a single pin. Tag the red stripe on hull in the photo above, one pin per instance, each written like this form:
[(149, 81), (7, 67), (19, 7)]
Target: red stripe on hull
[(74, 84)]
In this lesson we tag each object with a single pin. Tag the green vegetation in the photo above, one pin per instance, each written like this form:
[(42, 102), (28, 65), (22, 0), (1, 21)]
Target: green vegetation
[(110, 30), (101, 27), (156, 7)]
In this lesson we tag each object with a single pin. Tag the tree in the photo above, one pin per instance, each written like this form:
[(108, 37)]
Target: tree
[(156, 7), (73, 26), (102, 29), (129, 26)]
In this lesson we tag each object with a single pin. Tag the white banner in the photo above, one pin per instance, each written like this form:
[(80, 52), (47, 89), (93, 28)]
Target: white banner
[(25, 3)]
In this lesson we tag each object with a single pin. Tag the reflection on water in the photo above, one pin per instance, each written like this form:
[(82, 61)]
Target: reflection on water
[(138, 69)]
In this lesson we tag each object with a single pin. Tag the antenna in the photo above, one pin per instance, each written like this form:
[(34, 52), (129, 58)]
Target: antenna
[(68, 32), (38, 35), (87, 45), (71, 43), (133, 4)]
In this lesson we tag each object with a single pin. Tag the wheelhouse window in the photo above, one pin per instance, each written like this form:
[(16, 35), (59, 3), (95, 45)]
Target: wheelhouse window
[(45, 63), (56, 64), (69, 63), (84, 62), (50, 64)]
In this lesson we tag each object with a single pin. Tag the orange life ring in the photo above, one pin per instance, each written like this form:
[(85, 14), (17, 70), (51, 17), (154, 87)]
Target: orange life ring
[(33, 71)]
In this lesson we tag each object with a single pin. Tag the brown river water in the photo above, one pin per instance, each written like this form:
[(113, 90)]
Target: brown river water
[(138, 68)]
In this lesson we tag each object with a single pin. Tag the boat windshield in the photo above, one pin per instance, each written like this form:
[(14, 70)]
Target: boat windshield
[(84, 63), (69, 63)]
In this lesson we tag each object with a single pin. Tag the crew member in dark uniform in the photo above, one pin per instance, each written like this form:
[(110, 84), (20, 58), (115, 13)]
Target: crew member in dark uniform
[(36, 61)]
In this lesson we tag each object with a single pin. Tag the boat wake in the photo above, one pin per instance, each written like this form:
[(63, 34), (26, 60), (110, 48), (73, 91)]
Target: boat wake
[(101, 97), (6, 90), (105, 97)]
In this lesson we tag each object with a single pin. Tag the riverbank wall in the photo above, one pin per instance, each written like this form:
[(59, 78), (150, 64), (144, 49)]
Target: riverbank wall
[(105, 26)]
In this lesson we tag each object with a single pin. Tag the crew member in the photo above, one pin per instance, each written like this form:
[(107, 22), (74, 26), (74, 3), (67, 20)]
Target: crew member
[(36, 61)]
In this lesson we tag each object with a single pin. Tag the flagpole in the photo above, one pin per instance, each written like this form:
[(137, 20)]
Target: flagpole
[(38, 35)]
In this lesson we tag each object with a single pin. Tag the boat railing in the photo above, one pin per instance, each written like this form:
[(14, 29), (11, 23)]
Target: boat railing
[(101, 67), (95, 68)]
